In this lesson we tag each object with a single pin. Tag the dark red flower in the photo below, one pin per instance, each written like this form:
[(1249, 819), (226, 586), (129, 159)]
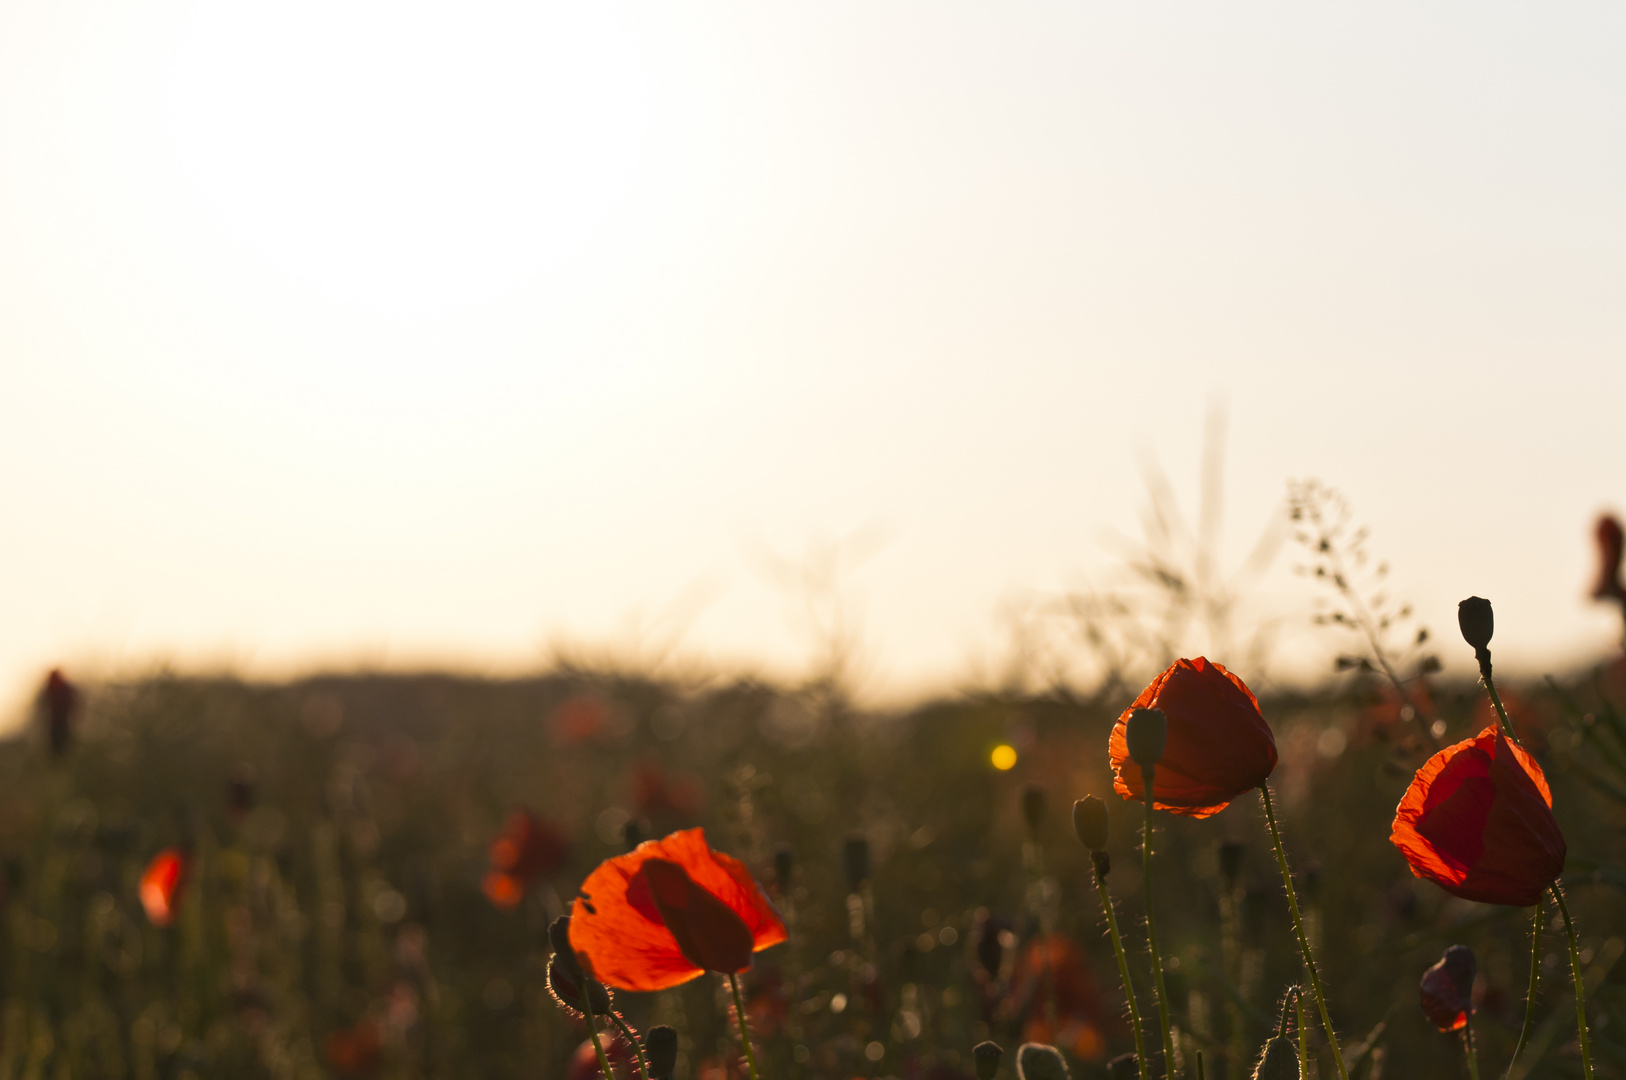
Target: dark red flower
[(1611, 547), (161, 885), (667, 911), (1478, 821), (1218, 747), (1448, 987), (528, 848)]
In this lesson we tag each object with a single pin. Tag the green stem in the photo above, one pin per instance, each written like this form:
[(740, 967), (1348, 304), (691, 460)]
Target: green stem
[(739, 1016), (1535, 978), (1483, 656), (1298, 928), (1468, 1048), (1123, 972), (1303, 1031), (1580, 982), (1146, 774), (632, 1041), (592, 1031)]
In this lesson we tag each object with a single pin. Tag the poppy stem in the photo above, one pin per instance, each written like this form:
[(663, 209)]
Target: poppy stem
[(1123, 971), (1468, 1047), (1298, 928), (1580, 982), (592, 1031), (1146, 773), (632, 1041), (1483, 656), (1535, 978), (1299, 1026), (739, 1017)]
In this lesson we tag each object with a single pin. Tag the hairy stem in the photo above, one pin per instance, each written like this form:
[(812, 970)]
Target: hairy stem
[(632, 1041), (1123, 972), (592, 1031), (1535, 979), (1580, 982), (1298, 928), (1146, 779), (1468, 1048), (739, 1017)]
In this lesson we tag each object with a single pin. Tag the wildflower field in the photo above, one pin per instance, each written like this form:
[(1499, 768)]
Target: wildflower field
[(364, 876)]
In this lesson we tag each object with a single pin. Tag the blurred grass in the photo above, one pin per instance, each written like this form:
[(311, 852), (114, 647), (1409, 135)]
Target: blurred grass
[(338, 927)]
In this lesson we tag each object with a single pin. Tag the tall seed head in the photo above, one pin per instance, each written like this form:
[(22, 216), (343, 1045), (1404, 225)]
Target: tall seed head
[(1090, 822), (1146, 732), (661, 1047), (1477, 622), (987, 1055)]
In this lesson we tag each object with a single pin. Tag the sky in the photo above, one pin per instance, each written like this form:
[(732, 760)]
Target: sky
[(360, 334)]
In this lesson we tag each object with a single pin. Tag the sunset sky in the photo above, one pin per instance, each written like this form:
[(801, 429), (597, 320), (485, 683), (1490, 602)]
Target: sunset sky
[(350, 333)]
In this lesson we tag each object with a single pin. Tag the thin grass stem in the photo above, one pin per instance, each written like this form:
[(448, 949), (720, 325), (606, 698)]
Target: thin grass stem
[(1123, 972), (1146, 779), (1580, 982), (1298, 928)]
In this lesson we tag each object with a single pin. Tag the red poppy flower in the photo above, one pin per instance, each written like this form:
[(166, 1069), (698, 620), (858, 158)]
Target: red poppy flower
[(1478, 822), (1219, 745), (1054, 998), (161, 884), (528, 848), (667, 911), (1611, 547)]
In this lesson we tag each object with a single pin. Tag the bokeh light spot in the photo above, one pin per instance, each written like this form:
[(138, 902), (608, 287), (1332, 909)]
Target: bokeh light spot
[(1003, 757)]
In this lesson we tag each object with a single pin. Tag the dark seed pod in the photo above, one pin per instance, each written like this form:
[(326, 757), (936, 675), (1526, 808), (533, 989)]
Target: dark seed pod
[(1124, 1067), (1090, 822), (1478, 623), (1147, 732), (1230, 859), (784, 865), (1280, 1061), (1036, 1061), (1033, 807), (660, 1048), (987, 1055), (855, 861)]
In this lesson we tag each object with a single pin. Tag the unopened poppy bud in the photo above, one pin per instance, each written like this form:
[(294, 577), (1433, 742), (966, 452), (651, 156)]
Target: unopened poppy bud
[(855, 861), (1280, 1061), (1033, 806), (1090, 822), (567, 987), (1477, 622), (660, 1048), (987, 1055), (784, 865), (1230, 859), (1036, 1061), (1124, 1067), (559, 938), (1447, 988), (1147, 732)]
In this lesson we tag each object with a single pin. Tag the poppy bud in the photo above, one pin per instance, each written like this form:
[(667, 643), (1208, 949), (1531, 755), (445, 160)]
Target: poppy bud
[(1477, 622), (855, 861), (661, 1047), (1230, 859), (1090, 822), (1036, 1061), (1280, 1061), (1124, 1067), (1147, 732), (987, 1055), (784, 864), (990, 948), (1033, 806), (566, 987), (1447, 989)]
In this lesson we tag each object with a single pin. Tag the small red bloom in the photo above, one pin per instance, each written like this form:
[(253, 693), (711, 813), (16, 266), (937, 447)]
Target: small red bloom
[(1447, 989), (161, 884), (667, 911), (1611, 541), (1218, 747), (1478, 821), (528, 848)]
